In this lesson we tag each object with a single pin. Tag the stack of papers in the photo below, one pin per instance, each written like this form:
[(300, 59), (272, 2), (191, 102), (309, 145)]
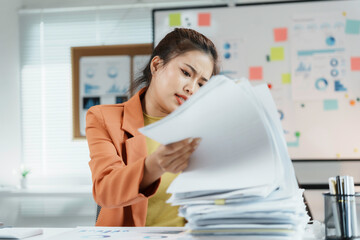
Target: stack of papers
[(18, 233), (240, 179)]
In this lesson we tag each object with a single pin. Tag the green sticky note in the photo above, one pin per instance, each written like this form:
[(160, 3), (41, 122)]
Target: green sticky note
[(286, 78), (277, 54), (174, 19), (352, 26), (331, 104)]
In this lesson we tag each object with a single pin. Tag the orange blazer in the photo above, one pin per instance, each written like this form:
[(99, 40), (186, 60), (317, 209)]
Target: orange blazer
[(118, 151)]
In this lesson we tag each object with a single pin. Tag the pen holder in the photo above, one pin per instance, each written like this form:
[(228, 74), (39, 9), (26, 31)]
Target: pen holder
[(342, 216)]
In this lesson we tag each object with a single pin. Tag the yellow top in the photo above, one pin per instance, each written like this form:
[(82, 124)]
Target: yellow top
[(159, 212)]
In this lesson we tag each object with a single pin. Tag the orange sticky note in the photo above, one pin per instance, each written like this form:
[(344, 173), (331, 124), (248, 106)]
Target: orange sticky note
[(255, 73), (355, 64), (204, 19), (280, 34)]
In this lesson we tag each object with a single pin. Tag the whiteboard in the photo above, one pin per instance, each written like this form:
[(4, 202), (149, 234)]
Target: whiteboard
[(307, 52)]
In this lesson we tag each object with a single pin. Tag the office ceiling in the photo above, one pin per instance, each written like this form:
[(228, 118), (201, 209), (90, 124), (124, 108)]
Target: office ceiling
[(39, 4)]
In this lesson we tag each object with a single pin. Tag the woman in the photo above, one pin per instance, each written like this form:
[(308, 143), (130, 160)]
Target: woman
[(130, 172)]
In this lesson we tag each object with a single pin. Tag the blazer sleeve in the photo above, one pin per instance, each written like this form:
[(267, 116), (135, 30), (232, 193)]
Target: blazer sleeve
[(115, 184)]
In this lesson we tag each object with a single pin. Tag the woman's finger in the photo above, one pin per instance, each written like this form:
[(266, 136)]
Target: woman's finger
[(175, 163), (176, 146)]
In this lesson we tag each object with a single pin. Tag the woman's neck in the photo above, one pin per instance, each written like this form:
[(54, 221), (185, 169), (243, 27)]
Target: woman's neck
[(150, 106)]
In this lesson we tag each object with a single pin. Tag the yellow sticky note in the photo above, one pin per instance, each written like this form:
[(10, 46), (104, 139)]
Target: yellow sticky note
[(219, 201), (338, 155), (277, 54), (356, 150), (174, 19), (286, 78)]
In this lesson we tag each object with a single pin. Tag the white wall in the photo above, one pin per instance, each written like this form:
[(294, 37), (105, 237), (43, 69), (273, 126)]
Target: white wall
[(10, 141)]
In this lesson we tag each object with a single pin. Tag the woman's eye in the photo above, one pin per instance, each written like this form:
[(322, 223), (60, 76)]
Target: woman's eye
[(200, 84), (186, 73)]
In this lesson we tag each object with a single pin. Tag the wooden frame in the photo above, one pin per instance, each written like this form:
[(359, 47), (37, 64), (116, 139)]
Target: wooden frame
[(113, 50)]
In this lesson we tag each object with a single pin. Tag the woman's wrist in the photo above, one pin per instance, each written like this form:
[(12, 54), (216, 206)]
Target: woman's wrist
[(152, 172)]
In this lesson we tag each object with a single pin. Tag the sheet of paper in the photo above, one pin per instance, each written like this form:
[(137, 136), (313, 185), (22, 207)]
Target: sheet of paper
[(236, 150), (17, 233), (129, 233)]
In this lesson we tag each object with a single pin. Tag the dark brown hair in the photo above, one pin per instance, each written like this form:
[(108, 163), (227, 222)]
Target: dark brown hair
[(175, 43)]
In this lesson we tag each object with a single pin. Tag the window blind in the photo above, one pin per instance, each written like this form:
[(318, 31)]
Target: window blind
[(46, 84)]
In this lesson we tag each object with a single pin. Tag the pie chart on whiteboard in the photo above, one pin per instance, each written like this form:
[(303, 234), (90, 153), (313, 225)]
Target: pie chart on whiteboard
[(330, 41)]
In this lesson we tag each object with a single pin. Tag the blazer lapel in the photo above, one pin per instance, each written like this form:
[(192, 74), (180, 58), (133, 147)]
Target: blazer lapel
[(133, 120)]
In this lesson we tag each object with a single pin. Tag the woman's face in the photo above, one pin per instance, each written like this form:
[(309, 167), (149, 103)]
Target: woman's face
[(171, 85)]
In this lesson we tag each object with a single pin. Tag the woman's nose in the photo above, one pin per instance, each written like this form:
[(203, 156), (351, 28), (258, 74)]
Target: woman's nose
[(190, 88)]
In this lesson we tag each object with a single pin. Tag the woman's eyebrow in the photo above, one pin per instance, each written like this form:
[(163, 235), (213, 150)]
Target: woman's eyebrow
[(194, 70)]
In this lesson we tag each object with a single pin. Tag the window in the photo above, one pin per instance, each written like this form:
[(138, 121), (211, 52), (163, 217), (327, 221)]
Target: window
[(46, 105)]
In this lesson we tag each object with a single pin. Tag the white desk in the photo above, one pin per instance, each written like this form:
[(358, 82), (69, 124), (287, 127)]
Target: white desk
[(154, 233)]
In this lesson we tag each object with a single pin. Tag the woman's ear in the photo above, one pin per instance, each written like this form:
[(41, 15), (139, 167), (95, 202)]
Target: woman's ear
[(155, 64)]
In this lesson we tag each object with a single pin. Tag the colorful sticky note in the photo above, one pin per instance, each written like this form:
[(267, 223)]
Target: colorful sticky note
[(255, 73), (352, 26), (280, 34), (355, 64), (286, 78), (174, 19), (352, 102), (338, 155), (330, 104), (204, 19), (219, 201), (356, 150), (277, 54)]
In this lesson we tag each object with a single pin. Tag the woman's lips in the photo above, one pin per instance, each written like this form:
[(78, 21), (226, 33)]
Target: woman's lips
[(180, 98)]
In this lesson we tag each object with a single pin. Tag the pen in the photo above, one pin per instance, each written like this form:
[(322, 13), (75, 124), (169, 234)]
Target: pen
[(352, 206), (332, 189), (339, 201), (347, 206)]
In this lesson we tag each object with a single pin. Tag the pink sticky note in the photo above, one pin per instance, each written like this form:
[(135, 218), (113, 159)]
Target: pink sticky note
[(255, 73), (204, 19), (355, 64), (280, 34)]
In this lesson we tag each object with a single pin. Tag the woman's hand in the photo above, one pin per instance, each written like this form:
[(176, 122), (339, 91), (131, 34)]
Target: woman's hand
[(173, 157)]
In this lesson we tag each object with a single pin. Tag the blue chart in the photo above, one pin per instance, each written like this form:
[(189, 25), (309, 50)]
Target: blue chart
[(89, 102), (121, 99), (113, 89), (89, 88), (90, 73), (281, 114), (334, 72), (155, 237), (330, 41), (295, 143), (334, 62), (303, 67), (321, 84), (325, 26), (112, 72), (227, 48), (95, 236), (339, 87)]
